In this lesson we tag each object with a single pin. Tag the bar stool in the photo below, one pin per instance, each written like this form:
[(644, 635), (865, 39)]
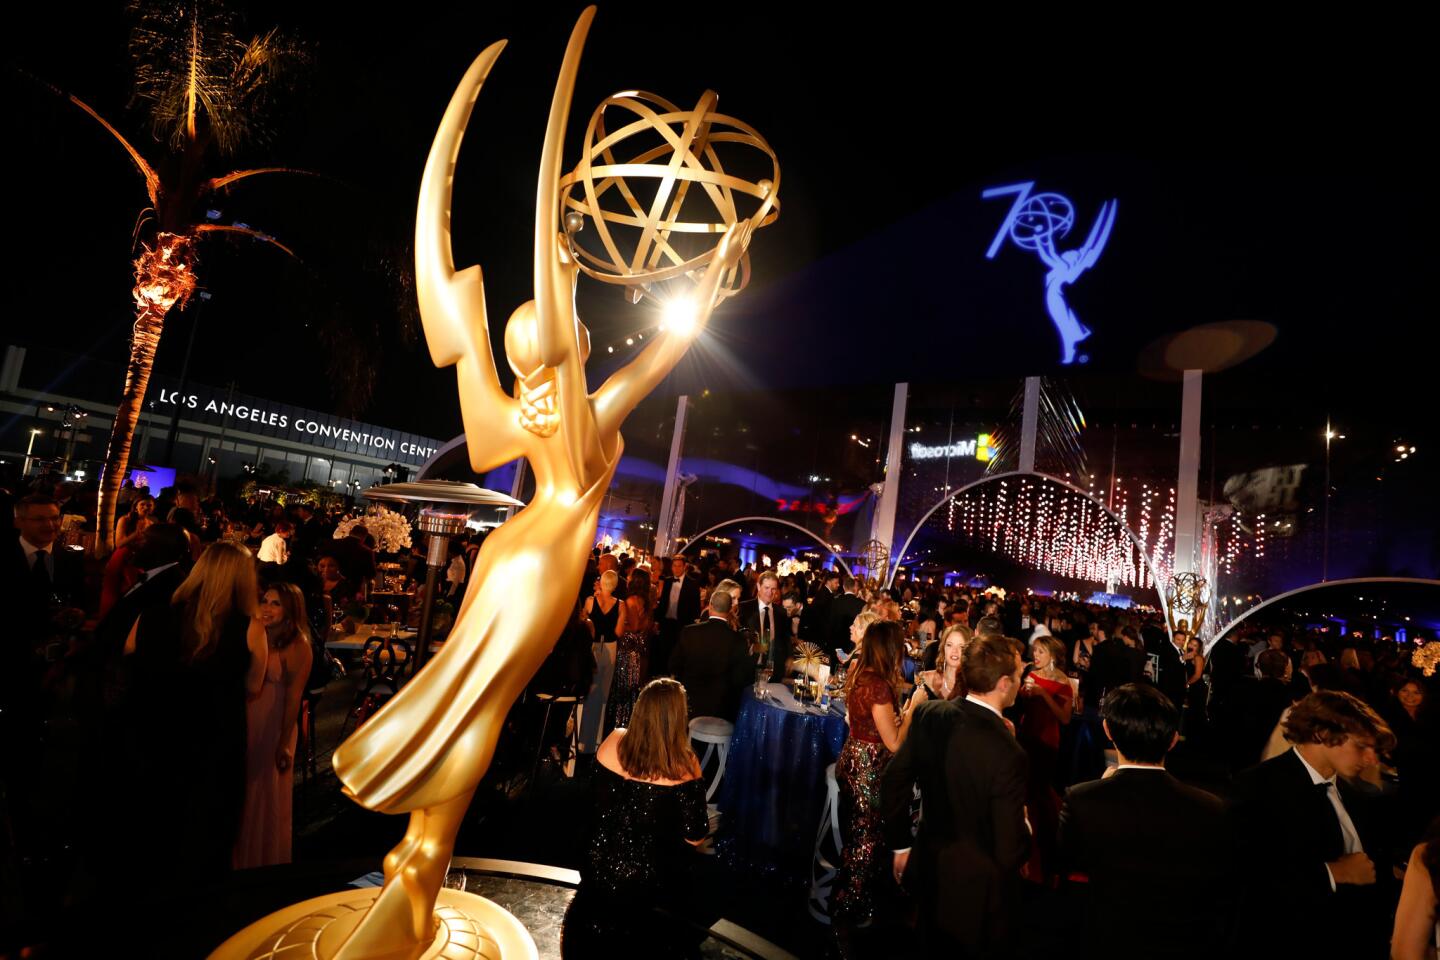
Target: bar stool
[(715, 733), (572, 737), (825, 866)]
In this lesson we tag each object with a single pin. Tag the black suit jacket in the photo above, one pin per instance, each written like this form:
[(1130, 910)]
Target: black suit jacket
[(843, 611), (689, 605), (815, 621), (965, 860), (781, 649), (31, 626), (1173, 670), (712, 662), (1112, 664), (1139, 837), (1288, 832)]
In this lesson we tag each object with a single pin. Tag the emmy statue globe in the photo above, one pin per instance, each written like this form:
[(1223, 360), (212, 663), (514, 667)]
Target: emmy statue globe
[(425, 752)]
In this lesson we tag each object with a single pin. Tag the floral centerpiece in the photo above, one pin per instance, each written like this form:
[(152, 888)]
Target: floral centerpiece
[(390, 529), (1427, 657)]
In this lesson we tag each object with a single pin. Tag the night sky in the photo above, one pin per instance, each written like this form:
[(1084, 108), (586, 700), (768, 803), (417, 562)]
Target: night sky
[(1266, 171)]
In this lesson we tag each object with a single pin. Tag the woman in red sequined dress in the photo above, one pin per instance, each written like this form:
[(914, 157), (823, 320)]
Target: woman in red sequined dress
[(873, 685)]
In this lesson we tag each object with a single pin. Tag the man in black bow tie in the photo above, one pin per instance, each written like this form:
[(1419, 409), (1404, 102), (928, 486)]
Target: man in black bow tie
[(1310, 837)]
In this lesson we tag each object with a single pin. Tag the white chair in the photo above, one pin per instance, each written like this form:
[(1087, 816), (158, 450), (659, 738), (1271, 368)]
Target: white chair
[(824, 870), (715, 733)]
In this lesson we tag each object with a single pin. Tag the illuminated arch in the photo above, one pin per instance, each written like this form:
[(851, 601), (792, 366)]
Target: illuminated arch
[(784, 523), (1314, 586), (1140, 547)]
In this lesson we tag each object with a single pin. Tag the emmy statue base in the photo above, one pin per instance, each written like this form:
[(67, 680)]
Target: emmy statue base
[(467, 927)]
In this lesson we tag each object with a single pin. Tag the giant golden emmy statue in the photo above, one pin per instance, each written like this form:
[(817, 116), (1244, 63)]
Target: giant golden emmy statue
[(424, 753)]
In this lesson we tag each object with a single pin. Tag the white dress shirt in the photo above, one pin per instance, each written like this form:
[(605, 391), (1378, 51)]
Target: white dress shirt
[(672, 610), (273, 549), (1347, 826)]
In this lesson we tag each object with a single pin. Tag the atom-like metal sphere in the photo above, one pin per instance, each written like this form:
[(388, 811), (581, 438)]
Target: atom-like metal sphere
[(668, 181)]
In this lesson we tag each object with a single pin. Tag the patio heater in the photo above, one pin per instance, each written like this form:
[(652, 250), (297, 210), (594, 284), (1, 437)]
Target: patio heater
[(440, 509)]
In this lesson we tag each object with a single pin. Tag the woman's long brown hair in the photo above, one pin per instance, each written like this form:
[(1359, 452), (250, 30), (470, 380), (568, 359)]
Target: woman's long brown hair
[(295, 624), (879, 657), (656, 746)]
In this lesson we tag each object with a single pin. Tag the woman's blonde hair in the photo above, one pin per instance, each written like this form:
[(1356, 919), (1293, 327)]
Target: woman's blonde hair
[(656, 745), (863, 619), (295, 625), (221, 583), (608, 579)]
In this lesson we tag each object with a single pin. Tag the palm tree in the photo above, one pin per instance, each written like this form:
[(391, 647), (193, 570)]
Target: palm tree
[(205, 89)]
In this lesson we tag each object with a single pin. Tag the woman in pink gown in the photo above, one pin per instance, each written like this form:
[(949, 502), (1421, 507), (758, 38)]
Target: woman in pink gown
[(265, 825)]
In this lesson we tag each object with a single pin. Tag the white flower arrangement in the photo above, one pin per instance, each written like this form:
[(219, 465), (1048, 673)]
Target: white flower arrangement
[(390, 529)]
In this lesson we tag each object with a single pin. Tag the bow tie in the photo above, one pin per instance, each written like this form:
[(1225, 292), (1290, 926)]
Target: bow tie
[(1323, 788)]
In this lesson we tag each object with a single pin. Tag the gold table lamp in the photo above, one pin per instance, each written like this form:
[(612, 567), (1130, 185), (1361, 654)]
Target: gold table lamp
[(424, 752)]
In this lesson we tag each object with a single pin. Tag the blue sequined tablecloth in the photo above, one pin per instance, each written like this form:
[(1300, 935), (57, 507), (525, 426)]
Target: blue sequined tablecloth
[(774, 787)]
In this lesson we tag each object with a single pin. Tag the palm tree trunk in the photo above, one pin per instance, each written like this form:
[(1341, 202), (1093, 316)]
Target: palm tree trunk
[(163, 278), (149, 321)]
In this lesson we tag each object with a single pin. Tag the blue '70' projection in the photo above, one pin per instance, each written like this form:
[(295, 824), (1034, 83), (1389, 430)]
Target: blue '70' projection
[(1035, 223)]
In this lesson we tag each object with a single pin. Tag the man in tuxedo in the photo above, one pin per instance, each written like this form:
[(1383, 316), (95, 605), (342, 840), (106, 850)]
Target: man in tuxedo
[(1113, 663), (1257, 704), (1172, 669), (770, 622), (1140, 835), (1307, 836), (964, 864), (46, 581), (843, 611), (679, 606), (712, 662)]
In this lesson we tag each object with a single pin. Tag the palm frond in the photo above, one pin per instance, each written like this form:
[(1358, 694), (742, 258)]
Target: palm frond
[(152, 179), (226, 228), (217, 183), (200, 80)]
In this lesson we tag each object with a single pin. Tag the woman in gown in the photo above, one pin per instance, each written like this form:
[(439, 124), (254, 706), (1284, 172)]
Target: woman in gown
[(1047, 699), (607, 614), (265, 825), (193, 665), (647, 818), (873, 683), (425, 751), (630, 665), (945, 680)]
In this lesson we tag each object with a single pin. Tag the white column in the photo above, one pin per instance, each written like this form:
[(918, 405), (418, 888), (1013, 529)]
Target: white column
[(1186, 483), (884, 525), (1029, 423), (664, 536)]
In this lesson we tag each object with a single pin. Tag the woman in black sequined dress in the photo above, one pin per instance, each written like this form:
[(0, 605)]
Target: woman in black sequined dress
[(647, 819)]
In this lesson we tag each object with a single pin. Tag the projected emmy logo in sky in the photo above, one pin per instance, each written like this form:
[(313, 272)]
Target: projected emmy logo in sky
[(1037, 222)]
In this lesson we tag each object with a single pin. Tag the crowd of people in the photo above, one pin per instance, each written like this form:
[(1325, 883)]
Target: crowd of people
[(151, 701), (1062, 753), (1085, 756)]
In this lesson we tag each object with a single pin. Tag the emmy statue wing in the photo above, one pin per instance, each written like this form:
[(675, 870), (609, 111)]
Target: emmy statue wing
[(556, 334), (452, 304), (1099, 233)]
